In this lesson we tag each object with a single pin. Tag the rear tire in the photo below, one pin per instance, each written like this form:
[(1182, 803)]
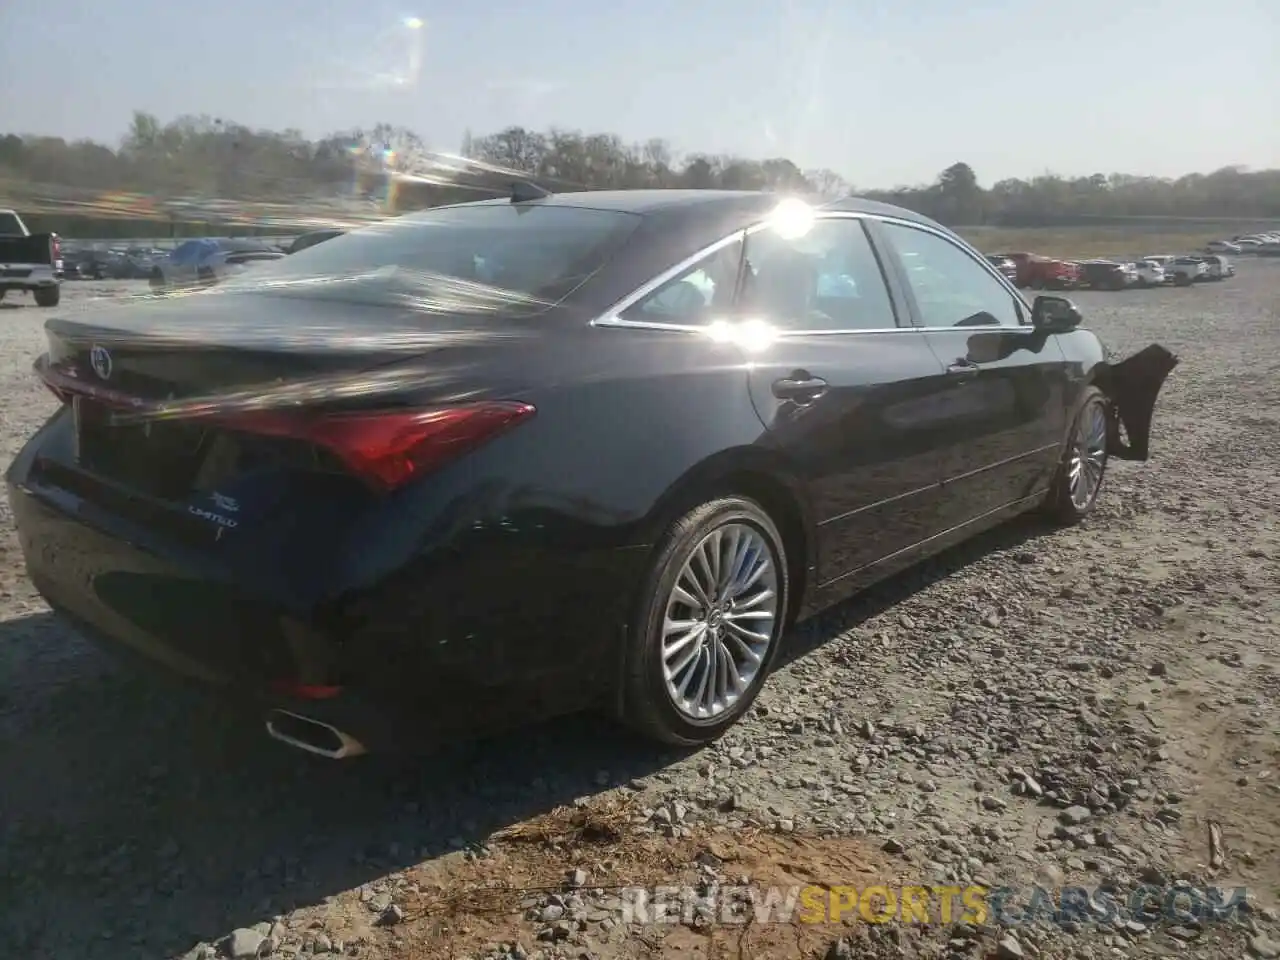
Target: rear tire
[(206, 277), (47, 296), (1083, 465), (720, 574), (157, 279)]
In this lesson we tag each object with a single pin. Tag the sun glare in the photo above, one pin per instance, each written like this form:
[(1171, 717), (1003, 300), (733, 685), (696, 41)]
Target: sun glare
[(792, 219)]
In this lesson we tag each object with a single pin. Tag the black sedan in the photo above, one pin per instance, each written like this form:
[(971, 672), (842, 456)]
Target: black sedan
[(1108, 274), (508, 459)]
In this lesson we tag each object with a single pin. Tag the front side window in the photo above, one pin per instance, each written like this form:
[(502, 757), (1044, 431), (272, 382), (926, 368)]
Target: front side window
[(826, 279), (698, 295), (950, 287)]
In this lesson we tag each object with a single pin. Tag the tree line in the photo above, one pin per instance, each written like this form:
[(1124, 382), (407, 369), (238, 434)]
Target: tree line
[(390, 167)]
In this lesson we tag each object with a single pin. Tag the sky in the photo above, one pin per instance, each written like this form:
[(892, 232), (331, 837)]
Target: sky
[(882, 92)]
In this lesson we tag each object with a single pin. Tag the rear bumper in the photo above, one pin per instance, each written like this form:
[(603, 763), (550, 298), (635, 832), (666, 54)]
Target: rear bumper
[(26, 277), (26, 286), (191, 624), (374, 725), (428, 653)]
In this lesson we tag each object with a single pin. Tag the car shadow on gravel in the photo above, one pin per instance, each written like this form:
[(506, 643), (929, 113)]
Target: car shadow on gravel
[(158, 818)]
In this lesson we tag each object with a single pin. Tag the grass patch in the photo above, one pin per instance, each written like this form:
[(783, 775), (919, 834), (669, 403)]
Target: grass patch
[(1083, 242)]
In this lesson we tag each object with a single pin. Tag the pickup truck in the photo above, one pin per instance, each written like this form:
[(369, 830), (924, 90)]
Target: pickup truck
[(29, 262)]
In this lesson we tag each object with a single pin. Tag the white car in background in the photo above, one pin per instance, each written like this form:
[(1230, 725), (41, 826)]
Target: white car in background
[(1164, 261), (1222, 246), (1219, 267), (1150, 273), (209, 260), (1187, 270)]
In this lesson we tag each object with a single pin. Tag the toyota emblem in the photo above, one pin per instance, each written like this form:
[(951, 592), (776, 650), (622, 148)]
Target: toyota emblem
[(100, 360)]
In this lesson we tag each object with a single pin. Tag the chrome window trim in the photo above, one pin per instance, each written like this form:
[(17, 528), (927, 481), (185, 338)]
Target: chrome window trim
[(612, 317)]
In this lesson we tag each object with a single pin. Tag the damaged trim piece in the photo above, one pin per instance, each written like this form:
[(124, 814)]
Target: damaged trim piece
[(1132, 386)]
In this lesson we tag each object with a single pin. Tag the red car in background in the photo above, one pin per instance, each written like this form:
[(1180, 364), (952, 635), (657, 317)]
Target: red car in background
[(1005, 266), (1043, 273)]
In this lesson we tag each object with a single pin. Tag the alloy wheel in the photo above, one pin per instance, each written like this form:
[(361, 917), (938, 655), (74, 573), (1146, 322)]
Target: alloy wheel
[(1088, 455), (720, 621)]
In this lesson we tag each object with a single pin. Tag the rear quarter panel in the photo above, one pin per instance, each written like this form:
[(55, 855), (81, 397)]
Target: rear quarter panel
[(525, 559)]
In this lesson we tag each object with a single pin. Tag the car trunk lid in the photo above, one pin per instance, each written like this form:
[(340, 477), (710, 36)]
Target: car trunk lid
[(180, 398)]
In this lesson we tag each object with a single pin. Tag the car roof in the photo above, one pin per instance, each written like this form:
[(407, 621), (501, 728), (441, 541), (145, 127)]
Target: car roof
[(653, 202)]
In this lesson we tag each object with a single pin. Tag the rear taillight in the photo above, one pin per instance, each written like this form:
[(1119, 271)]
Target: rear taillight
[(388, 448), (57, 248)]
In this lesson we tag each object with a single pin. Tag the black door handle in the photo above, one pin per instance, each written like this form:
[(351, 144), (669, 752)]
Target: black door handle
[(962, 368), (800, 387)]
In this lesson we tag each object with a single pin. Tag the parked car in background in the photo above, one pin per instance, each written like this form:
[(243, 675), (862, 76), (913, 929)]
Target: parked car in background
[(330, 556), (29, 262), (311, 239), (1222, 246), (1005, 266), (1165, 262), (1041, 273), (209, 260), (71, 265), (1150, 273), (1187, 270), (1108, 275), (1219, 267)]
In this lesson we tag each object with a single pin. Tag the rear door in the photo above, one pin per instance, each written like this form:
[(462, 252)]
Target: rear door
[(848, 391), (1005, 382)]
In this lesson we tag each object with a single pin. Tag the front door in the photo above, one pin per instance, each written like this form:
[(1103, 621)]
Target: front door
[(1006, 383)]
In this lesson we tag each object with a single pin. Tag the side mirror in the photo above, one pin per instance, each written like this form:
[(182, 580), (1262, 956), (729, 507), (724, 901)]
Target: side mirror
[(1055, 315)]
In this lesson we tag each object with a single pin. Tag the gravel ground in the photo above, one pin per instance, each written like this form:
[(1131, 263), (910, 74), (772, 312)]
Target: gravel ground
[(1079, 707)]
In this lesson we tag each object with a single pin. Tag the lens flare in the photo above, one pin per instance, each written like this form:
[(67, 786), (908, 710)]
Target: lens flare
[(792, 219)]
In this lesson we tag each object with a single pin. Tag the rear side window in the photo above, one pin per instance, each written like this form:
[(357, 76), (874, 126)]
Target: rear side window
[(512, 257), (827, 279), (10, 224), (700, 294)]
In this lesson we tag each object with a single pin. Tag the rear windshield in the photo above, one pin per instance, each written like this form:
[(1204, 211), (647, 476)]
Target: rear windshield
[(519, 257), (10, 224)]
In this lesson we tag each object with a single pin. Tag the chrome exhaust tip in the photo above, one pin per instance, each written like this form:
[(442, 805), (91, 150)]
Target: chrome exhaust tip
[(312, 736)]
